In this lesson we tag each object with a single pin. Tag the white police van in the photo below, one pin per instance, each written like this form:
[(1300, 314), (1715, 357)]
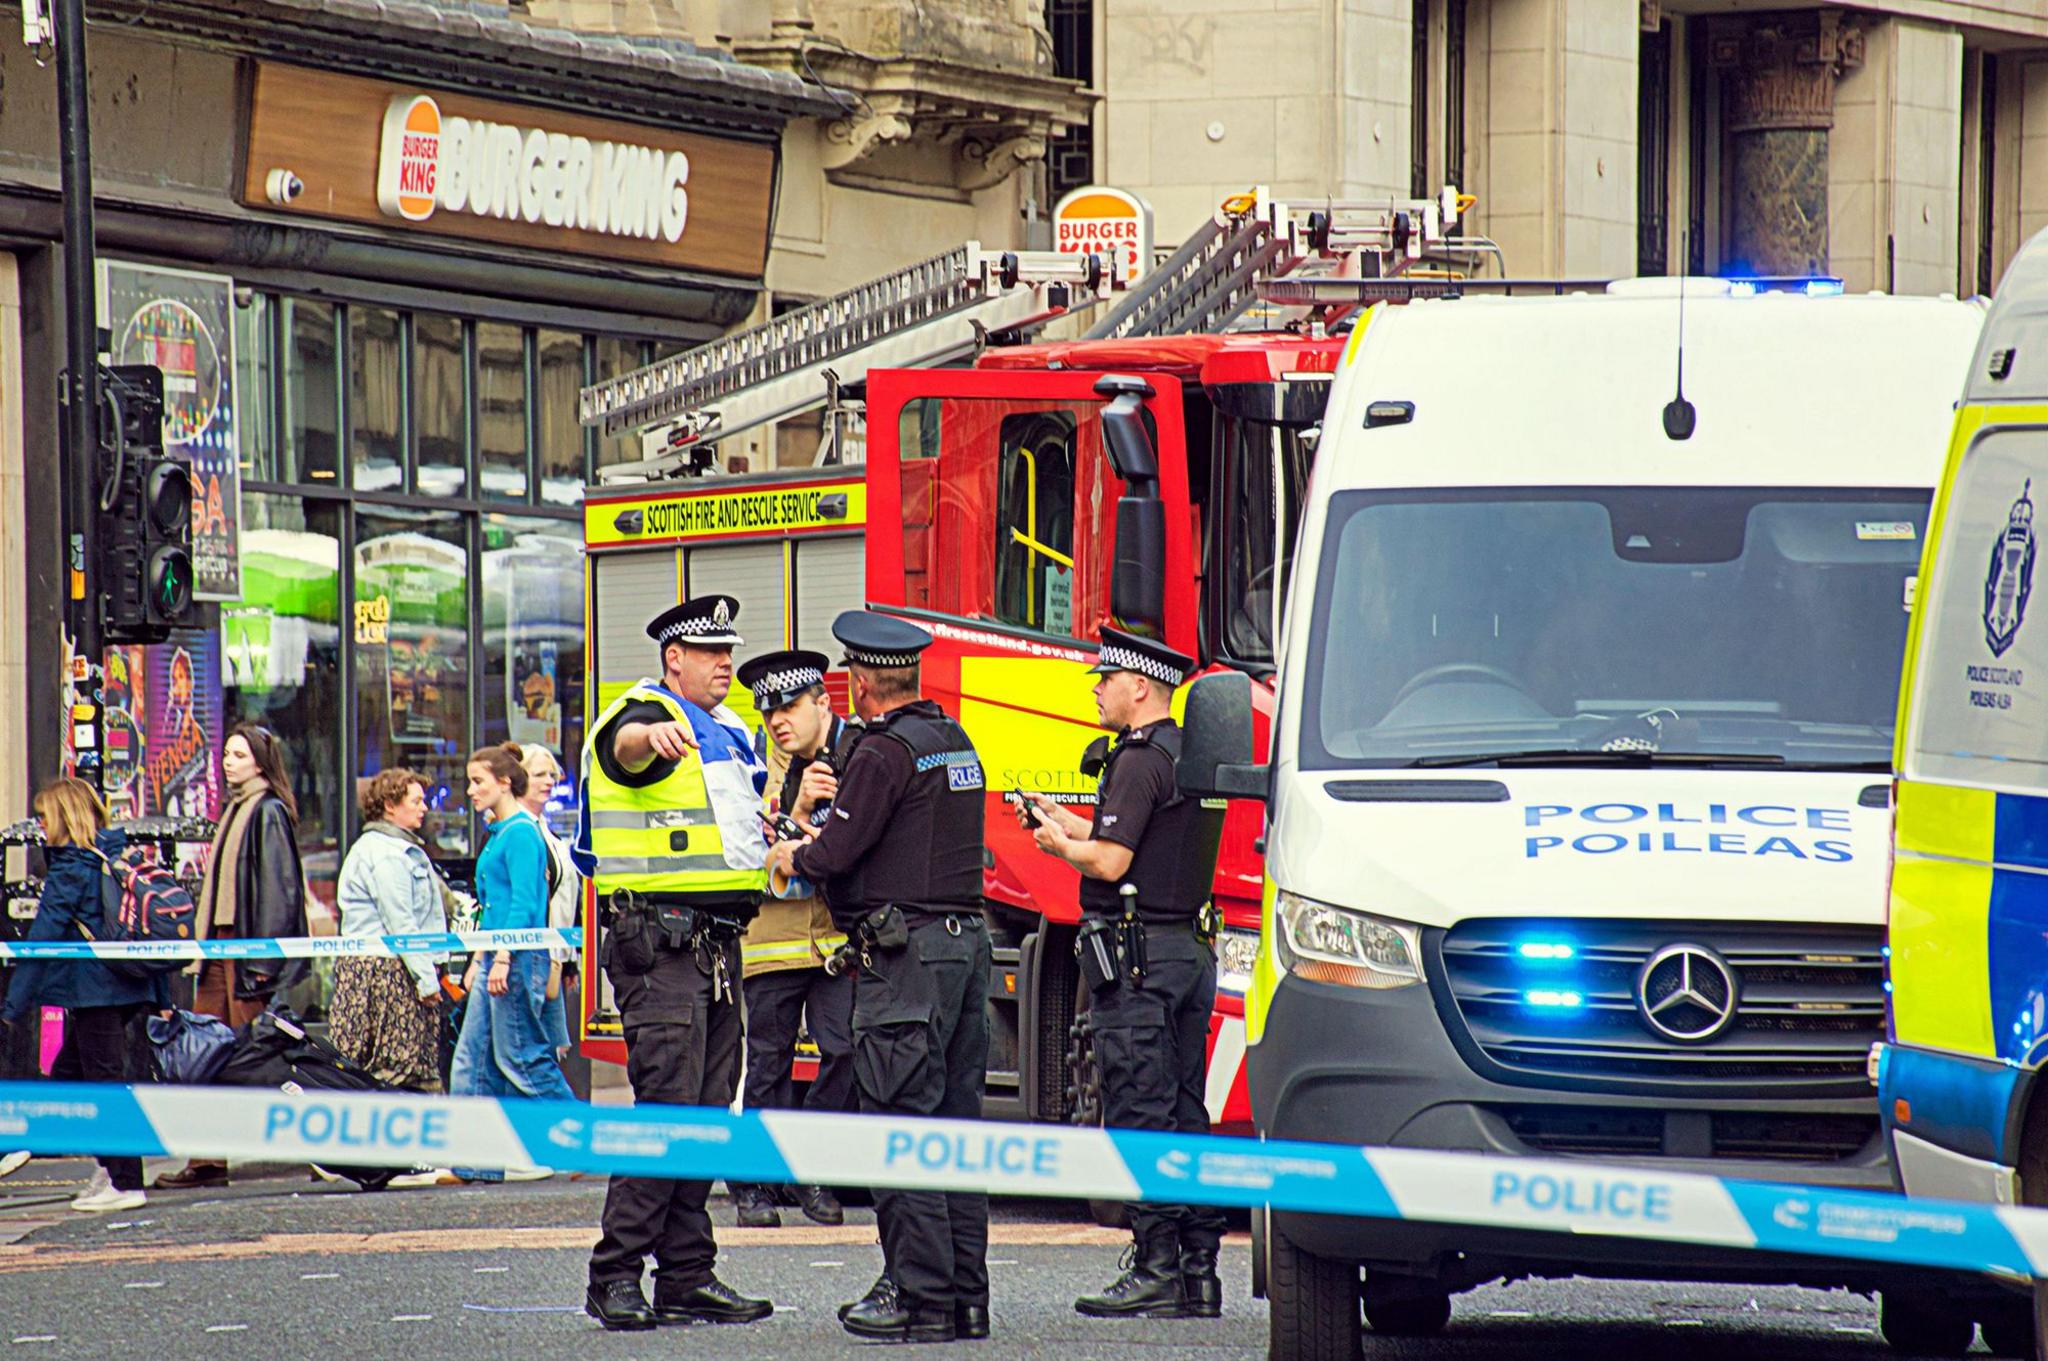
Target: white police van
[(1578, 805)]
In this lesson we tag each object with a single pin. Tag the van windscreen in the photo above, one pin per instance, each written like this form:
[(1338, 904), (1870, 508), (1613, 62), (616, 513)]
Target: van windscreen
[(1751, 623)]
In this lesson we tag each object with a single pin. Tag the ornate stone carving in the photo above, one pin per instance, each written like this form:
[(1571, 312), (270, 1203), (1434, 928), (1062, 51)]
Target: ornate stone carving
[(1779, 71)]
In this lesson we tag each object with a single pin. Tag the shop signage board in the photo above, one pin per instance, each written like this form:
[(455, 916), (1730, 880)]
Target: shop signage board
[(454, 165), (183, 323), (1098, 220)]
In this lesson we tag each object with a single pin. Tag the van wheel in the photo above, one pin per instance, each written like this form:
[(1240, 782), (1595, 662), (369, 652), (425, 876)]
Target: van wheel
[(1313, 1304), (1924, 1325), (1084, 1101), (1405, 1306), (2009, 1328), (1262, 1238)]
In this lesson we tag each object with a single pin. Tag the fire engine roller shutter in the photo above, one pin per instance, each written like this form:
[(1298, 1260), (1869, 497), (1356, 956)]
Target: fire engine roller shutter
[(831, 576), (631, 588), (750, 573)]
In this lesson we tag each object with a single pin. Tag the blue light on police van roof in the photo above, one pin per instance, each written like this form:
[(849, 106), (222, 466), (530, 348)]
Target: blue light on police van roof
[(1741, 288), (1554, 999), (1819, 286), (1545, 951), (1823, 288)]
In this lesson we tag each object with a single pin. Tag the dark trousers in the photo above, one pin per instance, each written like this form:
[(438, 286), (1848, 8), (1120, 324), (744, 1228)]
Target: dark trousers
[(103, 1044), (682, 1049), (920, 1047), (1152, 1047), (778, 1005)]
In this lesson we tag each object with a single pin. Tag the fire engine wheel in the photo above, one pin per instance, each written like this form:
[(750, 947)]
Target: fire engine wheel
[(1058, 981), (1313, 1305), (1085, 1105)]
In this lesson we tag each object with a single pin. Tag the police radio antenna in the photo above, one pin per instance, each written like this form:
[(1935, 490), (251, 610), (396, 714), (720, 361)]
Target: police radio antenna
[(1680, 416)]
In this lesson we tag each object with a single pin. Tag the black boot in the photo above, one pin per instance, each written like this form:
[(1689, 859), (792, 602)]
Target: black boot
[(1200, 1283), (756, 1207), (1149, 1287), (899, 1320), (970, 1321), (819, 1205), (882, 1295), (712, 1302), (618, 1305)]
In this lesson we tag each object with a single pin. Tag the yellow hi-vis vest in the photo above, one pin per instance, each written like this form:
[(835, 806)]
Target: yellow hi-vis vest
[(789, 933), (679, 834)]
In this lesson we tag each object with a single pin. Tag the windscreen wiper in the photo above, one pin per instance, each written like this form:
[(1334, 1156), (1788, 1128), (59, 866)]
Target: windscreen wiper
[(1576, 756)]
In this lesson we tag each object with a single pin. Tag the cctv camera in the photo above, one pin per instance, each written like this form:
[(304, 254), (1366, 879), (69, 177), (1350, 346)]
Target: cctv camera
[(282, 186)]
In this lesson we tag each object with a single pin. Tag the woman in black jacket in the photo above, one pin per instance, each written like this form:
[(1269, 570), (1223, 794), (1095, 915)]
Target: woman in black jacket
[(102, 1005), (254, 889)]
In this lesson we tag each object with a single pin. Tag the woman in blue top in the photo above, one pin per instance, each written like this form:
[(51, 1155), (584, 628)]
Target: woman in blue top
[(103, 1005), (505, 1049)]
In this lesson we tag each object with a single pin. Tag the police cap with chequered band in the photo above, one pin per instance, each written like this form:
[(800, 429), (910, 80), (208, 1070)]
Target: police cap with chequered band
[(703, 621), (878, 640), (1147, 656), (779, 678)]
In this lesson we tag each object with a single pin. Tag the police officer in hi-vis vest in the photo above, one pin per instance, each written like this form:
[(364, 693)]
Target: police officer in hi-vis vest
[(900, 862), (1147, 862), (671, 838), (786, 951)]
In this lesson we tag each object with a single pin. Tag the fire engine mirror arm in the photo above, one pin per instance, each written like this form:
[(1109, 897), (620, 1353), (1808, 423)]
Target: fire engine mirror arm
[(1137, 585), (1216, 753)]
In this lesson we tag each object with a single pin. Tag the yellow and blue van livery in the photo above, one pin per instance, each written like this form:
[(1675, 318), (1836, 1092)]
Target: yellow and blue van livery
[(1968, 925)]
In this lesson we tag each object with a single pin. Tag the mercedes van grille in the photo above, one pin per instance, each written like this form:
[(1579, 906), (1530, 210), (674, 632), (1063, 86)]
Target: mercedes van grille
[(1567, 1003)]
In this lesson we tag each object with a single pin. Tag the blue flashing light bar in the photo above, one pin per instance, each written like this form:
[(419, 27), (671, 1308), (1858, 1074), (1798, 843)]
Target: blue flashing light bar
[(1545, 951), (1820, 286), (1553, 999)]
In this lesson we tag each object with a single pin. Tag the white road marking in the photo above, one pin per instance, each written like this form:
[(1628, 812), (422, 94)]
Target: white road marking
[(824, 1264), (1002, 1261), (321, 1276), (39, 1337), (1685, 1323), (412, 1318), (491, 1270), (227, 1327), (143, 1285), (1512, 1313), (1852, 1328)]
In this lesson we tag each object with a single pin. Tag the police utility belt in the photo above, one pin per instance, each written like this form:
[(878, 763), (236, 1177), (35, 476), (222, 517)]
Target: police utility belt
[(888, 928), (1111, 949), (638, 925)]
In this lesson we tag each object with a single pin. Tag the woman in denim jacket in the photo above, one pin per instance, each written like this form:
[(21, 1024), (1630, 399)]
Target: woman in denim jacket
[(386, 1010)]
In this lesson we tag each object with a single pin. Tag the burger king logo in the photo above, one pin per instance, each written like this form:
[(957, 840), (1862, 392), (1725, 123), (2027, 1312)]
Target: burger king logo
[(408, 171), (1099, 220)]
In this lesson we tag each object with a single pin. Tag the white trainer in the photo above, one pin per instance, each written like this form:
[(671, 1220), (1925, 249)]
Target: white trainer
[(100, 1181), (433, 1176), (108, 1199), (528, 1173), (10, 1163)]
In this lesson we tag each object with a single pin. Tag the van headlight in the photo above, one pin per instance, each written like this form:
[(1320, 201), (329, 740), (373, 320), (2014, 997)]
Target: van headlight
[(1326, 944), (1237, 951)]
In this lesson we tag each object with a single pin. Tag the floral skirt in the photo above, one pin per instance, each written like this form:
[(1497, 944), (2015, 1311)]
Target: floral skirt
[(377, 1019)]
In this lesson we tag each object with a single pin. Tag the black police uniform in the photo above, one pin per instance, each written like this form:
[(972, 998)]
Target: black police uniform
[(900, 860), (1151, 1034), (683, 1034)]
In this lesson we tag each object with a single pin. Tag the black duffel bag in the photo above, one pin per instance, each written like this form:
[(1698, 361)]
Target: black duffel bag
[(276, 1050)]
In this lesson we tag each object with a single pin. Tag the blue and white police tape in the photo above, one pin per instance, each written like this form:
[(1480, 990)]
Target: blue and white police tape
[(402, 1130), (300, 947)]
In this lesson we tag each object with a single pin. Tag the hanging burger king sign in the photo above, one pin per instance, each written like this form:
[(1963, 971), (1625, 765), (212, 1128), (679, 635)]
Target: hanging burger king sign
[(409, 170), (1098, 220)]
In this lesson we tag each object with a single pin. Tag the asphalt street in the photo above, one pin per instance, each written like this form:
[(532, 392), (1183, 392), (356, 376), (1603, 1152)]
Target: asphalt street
[(282, 1267)]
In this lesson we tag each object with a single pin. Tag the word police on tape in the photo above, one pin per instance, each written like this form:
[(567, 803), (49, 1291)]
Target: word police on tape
[(403, 1130), (299, 947)]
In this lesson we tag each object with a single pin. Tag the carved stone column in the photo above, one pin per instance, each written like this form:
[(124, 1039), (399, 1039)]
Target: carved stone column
[(1778, 75)]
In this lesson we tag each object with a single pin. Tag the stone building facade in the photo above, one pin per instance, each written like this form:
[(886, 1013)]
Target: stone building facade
[(1901, 145)]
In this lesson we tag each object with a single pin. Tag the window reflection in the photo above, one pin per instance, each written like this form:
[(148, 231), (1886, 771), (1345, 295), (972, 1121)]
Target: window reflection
[(312, 413), (255, 385), (410, 631), (533, 641), (440, 405), (375, 387), (559, 385), (501, 410), (614, 357)]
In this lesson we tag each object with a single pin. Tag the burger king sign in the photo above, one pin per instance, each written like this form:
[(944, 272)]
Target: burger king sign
[(1098, 220)]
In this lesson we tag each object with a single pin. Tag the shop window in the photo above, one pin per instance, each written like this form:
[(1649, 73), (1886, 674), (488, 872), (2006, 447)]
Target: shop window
[(501, 410), (410, 633), (614, 357), (256, 385), (558, 386), (312, 411), (376, 390), (440, 405), (1034, 521), (532, 646), (280, 660)]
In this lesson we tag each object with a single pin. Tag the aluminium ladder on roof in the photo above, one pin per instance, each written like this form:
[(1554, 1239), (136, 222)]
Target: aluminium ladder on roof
[(928, 313)]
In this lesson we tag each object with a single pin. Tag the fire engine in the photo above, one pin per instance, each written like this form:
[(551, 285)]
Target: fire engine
[(1009, 495)]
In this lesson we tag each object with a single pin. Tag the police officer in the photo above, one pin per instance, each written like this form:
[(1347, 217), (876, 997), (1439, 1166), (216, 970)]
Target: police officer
[(900, 861), (671, 837), (1151, 1010), (786, 950)]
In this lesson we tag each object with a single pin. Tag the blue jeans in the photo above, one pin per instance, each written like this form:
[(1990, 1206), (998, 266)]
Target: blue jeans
[(506, 1048)]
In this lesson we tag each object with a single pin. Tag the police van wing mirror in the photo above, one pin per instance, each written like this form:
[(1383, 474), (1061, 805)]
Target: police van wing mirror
[(1216, 755)]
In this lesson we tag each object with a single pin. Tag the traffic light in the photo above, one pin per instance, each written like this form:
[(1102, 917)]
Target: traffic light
[(145, 527)]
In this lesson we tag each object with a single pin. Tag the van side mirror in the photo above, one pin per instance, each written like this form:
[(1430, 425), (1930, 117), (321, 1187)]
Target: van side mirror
[(1216, 756)]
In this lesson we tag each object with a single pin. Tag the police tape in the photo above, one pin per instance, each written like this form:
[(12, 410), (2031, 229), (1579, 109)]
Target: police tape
[(693, 1142), (300, 947)]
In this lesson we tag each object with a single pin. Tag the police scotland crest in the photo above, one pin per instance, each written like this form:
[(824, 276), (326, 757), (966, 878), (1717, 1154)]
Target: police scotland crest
[(2011, 578)]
